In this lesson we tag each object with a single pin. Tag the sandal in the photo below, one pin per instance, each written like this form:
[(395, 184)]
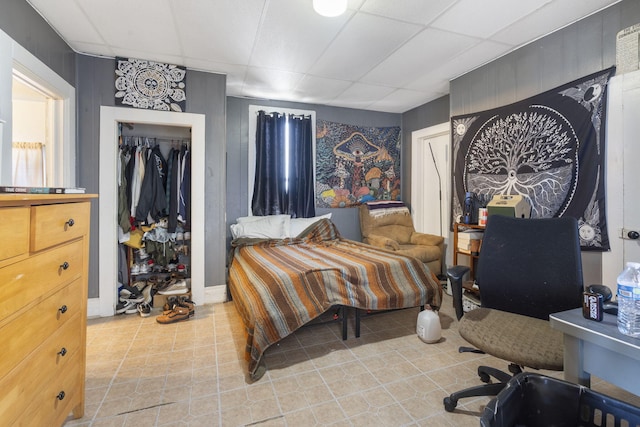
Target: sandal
[(175, 315)]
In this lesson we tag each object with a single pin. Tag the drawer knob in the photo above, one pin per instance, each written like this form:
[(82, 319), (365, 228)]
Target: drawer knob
[(64, 265), (62, 351), (69, 223), (63, 309), (60, 395)]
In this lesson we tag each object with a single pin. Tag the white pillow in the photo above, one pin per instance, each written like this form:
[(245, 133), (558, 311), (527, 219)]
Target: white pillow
[(245, 219), (262, 227), (298, 225)]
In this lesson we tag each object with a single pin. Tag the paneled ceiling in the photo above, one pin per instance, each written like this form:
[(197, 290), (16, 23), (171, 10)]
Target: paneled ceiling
[(382, 55)]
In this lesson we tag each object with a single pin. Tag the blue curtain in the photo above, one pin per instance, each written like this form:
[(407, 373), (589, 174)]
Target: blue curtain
[(284, 179)]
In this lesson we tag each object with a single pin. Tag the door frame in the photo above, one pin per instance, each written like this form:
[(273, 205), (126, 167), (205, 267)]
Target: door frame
[(417, 137), (110, 117)]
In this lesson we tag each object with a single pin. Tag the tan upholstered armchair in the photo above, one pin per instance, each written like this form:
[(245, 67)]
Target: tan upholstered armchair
[(393, 230)]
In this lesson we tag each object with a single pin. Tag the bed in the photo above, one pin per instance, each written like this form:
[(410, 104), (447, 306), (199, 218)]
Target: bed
[(279, 285)]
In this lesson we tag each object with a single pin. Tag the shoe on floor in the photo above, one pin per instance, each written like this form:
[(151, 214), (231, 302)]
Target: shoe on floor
[(177, 287), (130, 293), (184, 301), (126, 307), (144, 309), (177, 314)]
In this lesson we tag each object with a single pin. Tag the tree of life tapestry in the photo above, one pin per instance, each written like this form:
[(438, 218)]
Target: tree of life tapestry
[(356, 164), (549, 148)]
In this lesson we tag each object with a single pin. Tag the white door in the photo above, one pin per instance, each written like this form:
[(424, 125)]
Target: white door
[(430, 179), (623, 175)]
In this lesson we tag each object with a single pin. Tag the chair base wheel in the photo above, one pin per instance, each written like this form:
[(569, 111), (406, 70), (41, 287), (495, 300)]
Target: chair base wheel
[(450, 404)]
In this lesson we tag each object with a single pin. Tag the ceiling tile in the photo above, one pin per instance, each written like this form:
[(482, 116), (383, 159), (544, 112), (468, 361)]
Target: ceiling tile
[(479, 54), (270, 84), (313, 88), (547, 19), (360, 95), (416, 11), (402, 100), (141, 25), (483, 18), (294, 44), (364, 42), (425, 51), (219, 30)]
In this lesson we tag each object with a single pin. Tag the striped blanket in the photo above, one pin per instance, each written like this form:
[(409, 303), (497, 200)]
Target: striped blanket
[(280, 285)]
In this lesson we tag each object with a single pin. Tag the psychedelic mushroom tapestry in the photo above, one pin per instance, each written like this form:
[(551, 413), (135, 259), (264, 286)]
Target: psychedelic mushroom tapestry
[(549, 148), (150, 85), (356, 164)]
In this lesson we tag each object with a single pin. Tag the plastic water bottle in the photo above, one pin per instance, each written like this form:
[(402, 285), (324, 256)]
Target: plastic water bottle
[(629, 300)]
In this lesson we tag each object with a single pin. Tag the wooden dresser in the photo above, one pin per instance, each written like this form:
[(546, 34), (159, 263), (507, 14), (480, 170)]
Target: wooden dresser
[(44, 262)]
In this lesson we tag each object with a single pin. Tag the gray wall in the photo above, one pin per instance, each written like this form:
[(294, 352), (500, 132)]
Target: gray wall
[(346, 219), (205, 95), (24, 25), (573, 52)]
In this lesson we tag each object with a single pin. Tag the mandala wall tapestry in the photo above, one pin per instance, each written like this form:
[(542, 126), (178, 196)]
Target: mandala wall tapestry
[(356, 164), (150, 85), (549, 148)]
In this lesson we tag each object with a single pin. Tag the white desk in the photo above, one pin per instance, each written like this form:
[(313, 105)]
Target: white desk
[(598, 348)]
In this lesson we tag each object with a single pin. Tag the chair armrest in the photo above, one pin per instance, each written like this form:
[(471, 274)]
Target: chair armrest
[(455, 275), (426, 239), (383, 242)]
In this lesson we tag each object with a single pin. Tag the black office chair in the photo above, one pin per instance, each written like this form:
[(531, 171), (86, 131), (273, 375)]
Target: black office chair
[(527, 269)]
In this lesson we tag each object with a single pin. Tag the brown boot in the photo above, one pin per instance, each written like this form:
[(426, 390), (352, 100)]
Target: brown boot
[(177, 314)]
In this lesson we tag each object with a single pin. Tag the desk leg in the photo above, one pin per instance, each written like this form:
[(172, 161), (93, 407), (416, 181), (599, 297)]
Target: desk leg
[(574, 362)]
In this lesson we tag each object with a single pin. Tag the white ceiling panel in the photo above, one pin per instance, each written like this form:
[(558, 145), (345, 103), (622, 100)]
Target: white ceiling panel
[(294, 44), (483, 18), (415, 11), (398, 100), (428, 49), (466, 60), (360, 95), (552, 16), (149, 22), (380, 55), (319, 88), (365, 41), (223, 31)]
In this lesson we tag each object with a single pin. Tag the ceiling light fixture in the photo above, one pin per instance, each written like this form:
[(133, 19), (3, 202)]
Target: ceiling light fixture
[(330, 8)]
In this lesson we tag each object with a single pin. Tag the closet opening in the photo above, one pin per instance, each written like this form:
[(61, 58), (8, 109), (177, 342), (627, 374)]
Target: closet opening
[(154, 216), (183, 255)]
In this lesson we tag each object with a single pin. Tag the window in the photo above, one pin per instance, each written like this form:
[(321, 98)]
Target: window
[(284, 159)]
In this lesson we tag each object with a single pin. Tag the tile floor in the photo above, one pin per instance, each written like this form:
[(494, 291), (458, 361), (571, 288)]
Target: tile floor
[(192, 373)]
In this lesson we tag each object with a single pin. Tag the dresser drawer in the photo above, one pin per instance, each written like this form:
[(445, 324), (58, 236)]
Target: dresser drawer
[(56, 399), (55, 224), (32, 392), (25, 333), (25, 281), (14, 229)]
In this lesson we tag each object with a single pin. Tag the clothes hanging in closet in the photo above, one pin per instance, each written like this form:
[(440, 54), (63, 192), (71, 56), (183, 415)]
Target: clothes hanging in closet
[(151, 187)]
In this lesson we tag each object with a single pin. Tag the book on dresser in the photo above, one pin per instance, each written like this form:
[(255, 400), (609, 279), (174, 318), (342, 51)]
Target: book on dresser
[(42, 190)]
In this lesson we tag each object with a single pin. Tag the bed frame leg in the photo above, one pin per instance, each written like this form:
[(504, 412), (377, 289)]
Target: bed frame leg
[(343, 314), (357, 323)]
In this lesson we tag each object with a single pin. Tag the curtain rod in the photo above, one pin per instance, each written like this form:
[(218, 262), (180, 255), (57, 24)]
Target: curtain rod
[(285, 114)]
